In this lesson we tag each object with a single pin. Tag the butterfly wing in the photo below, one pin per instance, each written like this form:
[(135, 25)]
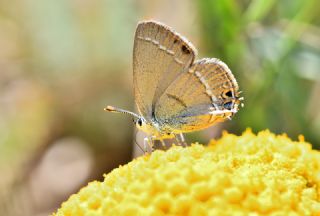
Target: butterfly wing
[(204, 94), (160, 55)]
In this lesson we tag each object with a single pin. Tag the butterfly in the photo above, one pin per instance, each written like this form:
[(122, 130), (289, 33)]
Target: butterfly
[(174, 93)]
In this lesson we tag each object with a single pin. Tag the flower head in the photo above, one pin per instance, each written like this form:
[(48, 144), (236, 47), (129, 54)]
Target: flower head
[(235, 175)]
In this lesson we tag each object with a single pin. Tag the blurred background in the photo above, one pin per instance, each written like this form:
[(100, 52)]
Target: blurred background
[(63, 61)]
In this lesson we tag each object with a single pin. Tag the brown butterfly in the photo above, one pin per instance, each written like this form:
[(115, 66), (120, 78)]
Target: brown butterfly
[(174, 93)]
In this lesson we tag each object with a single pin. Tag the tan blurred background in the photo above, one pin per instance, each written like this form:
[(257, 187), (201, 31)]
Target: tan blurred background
[(63, 61)]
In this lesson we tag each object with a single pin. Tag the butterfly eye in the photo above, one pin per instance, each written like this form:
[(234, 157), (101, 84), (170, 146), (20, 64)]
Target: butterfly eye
[(228, 105), (139, 122)]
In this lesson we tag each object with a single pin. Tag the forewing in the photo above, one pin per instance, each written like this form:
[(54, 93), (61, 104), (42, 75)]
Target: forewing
[(207, 93), (160, 55)]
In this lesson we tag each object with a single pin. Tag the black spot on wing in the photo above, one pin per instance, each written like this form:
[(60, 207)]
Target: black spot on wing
[(229, 94), (228, 105), (185, 49)]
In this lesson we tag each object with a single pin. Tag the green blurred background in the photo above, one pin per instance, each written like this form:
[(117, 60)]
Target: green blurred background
[(63, 61)]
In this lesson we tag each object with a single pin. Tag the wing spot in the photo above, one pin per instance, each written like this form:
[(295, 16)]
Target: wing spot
[(162, 48), (170, 52), (229, 94), (185, 49), (156, 42)]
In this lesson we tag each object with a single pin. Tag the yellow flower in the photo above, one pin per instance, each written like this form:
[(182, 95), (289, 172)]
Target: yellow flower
[(250, 174)]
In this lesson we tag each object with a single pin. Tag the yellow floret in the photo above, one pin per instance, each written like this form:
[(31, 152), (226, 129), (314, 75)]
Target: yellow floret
[(250, 174)]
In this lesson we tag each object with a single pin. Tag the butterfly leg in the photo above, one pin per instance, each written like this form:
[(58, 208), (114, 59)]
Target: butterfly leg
[(180, 140), (148, 144), (145, 144), (177, 140), (163, 143), (152, 143), (183, 141)]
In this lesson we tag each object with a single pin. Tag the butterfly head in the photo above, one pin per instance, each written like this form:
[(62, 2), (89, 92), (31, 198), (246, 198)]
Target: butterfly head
[(140, 122)]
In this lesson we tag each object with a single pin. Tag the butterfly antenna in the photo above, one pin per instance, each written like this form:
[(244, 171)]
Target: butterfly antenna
[(118, 110)]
